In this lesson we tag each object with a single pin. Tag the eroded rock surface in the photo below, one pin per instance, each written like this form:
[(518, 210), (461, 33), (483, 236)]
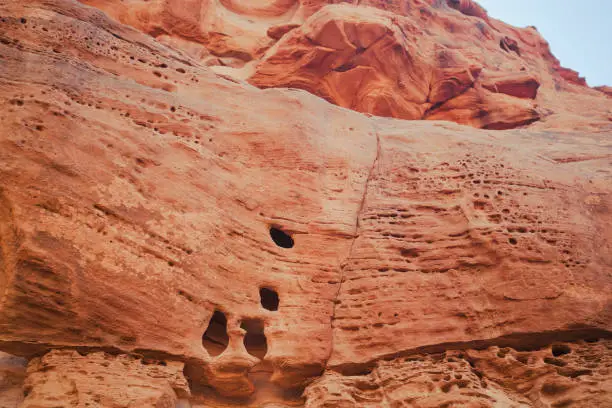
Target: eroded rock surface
[(67, 379), (565, 374), (377, 62), (417, 59), (275, 245), (12, 376)]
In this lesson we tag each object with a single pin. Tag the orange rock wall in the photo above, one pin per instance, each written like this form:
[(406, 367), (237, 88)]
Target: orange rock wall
[(437, 60), (139, 188)]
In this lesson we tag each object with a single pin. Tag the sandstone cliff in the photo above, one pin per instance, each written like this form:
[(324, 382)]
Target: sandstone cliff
[(171, 235)]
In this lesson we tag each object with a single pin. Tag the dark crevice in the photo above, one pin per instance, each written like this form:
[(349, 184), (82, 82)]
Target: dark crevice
[(255, 340), (215, 338), (281, 238), (508, 44), (560, 349), (356, 231), (345, 67), (518, 341), (269, 299), (438, 105)]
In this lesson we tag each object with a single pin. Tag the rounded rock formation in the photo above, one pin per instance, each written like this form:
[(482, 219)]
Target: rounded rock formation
[(171, 235)]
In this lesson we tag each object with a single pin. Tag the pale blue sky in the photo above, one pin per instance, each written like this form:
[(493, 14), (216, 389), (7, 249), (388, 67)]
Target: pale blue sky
[(579, 31)]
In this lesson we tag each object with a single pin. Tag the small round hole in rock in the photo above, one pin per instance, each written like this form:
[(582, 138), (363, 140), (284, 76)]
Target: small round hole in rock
[(269, 299), (281, 238), (560, 349), (215, 338), (255, 340)]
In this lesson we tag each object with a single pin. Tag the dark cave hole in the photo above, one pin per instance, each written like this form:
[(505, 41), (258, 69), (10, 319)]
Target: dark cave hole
[(508, 44), (345, 67), (503, 46), (215, 338), (555, 361), (560, 349), (269, 299), (281, 238), (255, 340)]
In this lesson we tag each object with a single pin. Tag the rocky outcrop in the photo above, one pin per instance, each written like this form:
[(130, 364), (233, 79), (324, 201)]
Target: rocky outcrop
[(605, 89), (12, 376), (407, 60), (518, 85), (376, 62), (161, 220), (67, 379), (468, 7), (575, 375)]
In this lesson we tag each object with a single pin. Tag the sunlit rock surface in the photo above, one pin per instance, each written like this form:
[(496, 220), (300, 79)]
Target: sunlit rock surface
[(184, 238)]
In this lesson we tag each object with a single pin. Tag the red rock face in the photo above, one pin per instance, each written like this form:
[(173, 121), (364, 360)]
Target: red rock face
[(12, 376), (74, 380), (385, 64), (468, 7), (172, 236), (409, 60), (605, 89)]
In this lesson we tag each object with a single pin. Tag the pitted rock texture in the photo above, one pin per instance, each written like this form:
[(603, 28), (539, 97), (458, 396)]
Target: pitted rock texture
[(562, 375), (470, 224), (146, 201), (416, 59), (156, 203), (67, 379)]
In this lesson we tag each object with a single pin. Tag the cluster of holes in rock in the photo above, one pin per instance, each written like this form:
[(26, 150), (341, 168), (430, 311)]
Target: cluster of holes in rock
[(582, 358), (501, 205), (152, 120), (102, 43), (216, 339), (113, 46), (174, 249)]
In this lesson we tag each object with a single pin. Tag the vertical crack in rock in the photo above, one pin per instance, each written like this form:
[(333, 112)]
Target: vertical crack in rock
[(357, 229)]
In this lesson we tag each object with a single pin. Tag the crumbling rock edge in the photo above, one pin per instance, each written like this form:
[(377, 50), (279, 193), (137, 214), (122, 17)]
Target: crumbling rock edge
[(474, 186), (517, 341)]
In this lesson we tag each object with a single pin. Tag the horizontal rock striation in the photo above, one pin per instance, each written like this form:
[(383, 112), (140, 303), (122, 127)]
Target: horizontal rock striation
[(419, 59), (171, 235)]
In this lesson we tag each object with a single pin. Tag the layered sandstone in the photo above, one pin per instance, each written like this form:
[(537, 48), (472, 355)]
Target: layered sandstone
[(161, 222), (419, 59), (576, 375), (96, 379), (12, 376)]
